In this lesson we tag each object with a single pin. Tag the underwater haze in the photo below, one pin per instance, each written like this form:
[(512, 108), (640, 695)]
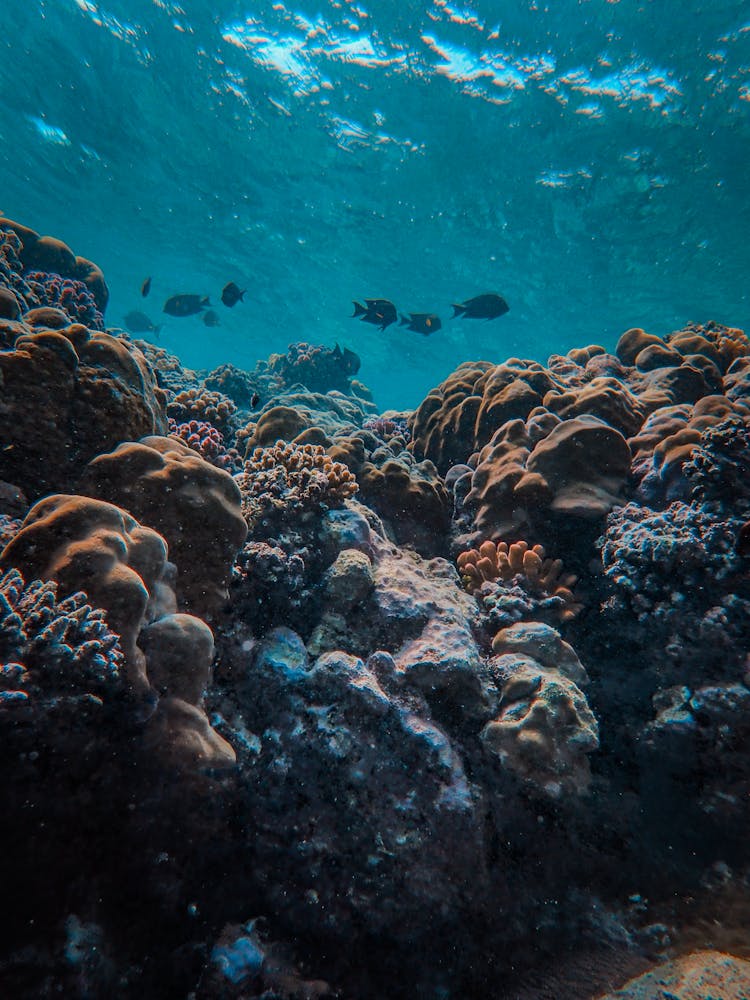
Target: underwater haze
[(586, 160)]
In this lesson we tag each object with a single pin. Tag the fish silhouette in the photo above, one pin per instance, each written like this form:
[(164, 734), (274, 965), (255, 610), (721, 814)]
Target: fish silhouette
[(186, 305), (488, 306), (138, 322), (424, 323), (231, 294), (379, 312)]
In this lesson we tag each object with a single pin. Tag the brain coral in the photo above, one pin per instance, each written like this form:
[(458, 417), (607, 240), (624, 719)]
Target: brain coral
[(194, 505), (53, 646), (66, 396)]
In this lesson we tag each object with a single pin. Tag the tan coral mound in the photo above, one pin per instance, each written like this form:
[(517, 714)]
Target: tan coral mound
[(82, 543), (194, 505), (502, 561), (90, 545), (68, 395)]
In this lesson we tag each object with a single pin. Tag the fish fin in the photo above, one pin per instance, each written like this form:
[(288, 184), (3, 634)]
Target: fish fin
[(404, 320), (359, 310), (458, 310)]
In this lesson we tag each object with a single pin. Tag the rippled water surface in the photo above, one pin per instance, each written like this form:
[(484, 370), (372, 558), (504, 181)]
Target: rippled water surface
[(586, 159)]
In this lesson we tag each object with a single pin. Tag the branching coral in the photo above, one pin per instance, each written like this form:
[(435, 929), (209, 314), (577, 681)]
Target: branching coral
[(518, 581), (68, 294), (207, 441), (202, 404), (50, 646), (289, 478)]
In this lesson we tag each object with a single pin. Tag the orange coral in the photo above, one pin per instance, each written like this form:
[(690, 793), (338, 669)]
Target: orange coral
[(501, 561)]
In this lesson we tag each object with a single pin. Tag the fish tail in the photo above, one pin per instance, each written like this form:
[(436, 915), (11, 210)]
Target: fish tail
[(404, 320), (457, 310), (206, 300), (242, 295), (359, 310)]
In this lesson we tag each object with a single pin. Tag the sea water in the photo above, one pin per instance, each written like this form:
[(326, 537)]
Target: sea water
[(586, 160)]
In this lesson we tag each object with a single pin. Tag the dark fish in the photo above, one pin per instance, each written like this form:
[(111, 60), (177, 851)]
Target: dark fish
[(254, 400), (425, 323), (231, 294), (138, 322), (146, 287), (210, 318), (488, 306), (186, 305), (348, 360), (742, 546), (379, 312)]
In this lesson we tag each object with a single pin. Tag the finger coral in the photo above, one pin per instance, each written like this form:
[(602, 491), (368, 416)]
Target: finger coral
[(516, 580)]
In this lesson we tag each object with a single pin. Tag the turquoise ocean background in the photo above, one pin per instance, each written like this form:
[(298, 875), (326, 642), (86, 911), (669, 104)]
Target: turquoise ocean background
[(588, 160)]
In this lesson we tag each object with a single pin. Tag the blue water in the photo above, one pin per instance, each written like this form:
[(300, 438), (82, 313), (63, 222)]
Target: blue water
[(588, 160)]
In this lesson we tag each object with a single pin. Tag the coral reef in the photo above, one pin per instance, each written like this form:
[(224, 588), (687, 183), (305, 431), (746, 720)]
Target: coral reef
[(517, 581), (250, 698), (546, 729), (67, 294), (208, 442), (317, 367)]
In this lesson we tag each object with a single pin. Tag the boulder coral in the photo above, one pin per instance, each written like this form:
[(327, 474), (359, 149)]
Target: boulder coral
[(68, 395), (532, 475), (193, 504), (83, 543), (545, 729)]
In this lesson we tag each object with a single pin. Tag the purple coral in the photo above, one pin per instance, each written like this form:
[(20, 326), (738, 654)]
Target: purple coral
[(388, 427), (68, 294), (50, 646), (207, 441)]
